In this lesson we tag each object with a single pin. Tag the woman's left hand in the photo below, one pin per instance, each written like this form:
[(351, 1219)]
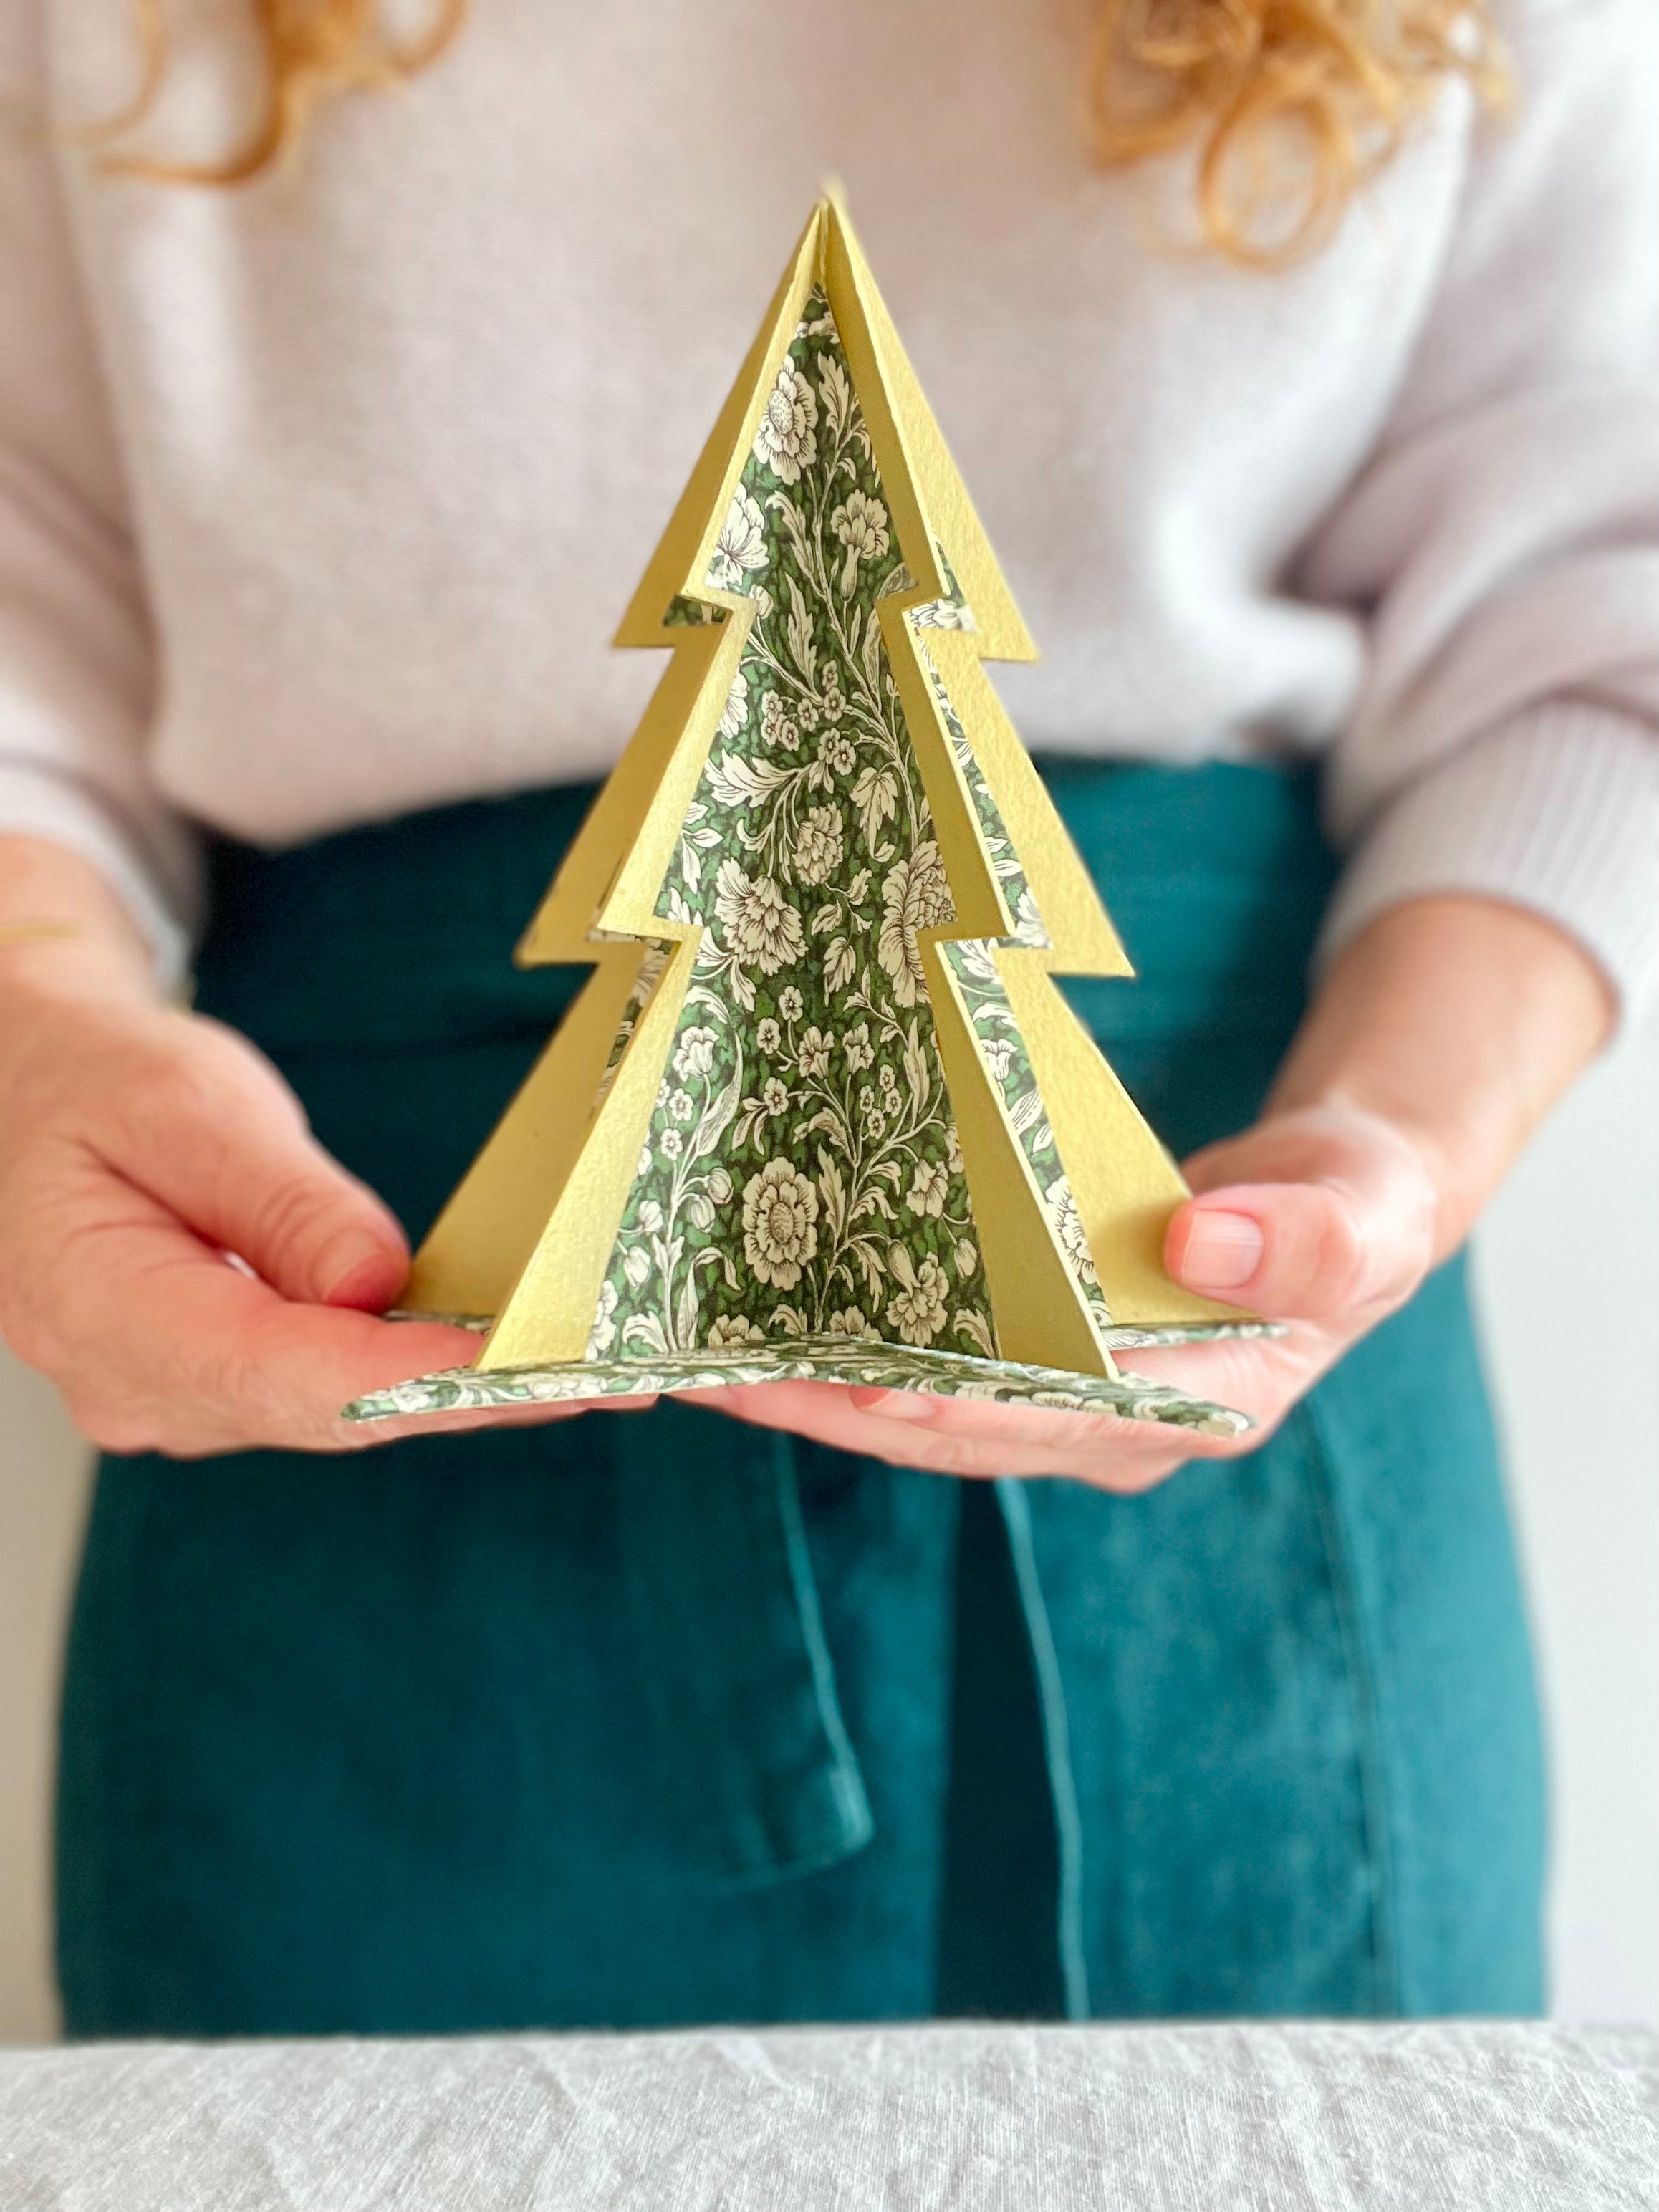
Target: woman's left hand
[(1442, 1035), (1323, 1218)]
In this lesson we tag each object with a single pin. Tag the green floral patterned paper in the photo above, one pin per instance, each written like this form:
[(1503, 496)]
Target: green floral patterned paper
[(823, 1359), (801, 1175)]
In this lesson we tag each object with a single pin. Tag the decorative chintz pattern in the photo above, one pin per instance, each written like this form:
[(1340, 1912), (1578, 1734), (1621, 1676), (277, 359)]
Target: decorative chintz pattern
[(801, 1175), (823, 1360)]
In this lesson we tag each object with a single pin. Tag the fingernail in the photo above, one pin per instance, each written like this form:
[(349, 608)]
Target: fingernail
[(896, 1405), (357, 1268), (1224, 1250)]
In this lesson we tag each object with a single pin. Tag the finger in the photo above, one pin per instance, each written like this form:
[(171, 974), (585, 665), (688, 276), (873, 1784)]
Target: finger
[(1314, 1214), (1071, 1435), (950, 1437), (1257, 1378), (531, 1415), (194, 1358), (213, 1133), (158, 1342), (1308, 1251)]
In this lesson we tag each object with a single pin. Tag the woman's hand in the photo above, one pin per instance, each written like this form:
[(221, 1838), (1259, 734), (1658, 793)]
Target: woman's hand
[(1441, 1038), (1323, 1218), (139, 1146)]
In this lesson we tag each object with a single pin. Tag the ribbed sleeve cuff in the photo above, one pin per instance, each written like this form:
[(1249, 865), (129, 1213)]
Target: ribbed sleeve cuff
[(36, 805), (1557, 811)]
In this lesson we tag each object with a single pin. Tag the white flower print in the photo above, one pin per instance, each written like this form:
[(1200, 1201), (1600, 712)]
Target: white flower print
[(763, 929), (967, 1258), (836, 392), (791, 1005), (806, 714), (849, 1322), (694, 1054), (857, 1048), (653, 963), (837, 754), (651, 1217), (775, 1097), (671, 1144), (1028, 922), (875, 1124), (785, 442), (917, 1311), (1068, 1227), (767, 1036), (860, 523), (813, 1053), (818, 846), (776, 727), (680, 1105), (999, 1055), (603, 1333), (742, 547), (916, 897), (929, 1187), (736, 713), (779, 1215), (876, 797), (720, 1186), (734, 1329), (942, 614)]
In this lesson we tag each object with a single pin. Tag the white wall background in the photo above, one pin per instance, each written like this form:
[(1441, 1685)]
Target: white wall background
[(1569, 1270)]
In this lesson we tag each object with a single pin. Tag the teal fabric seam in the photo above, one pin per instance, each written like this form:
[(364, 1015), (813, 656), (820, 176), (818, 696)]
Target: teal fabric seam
[(87, 1859), (846, 1781), (1361, 1664), (753, 1747), (1056, 1735)]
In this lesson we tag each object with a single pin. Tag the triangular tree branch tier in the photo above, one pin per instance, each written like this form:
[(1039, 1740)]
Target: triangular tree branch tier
[(842, 1124)]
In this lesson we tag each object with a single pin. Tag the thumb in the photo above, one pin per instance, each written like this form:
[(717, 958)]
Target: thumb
[(211, 1131), (1318, 1212)]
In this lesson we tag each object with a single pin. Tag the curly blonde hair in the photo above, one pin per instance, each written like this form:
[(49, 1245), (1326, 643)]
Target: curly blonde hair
[(314, 50), (1290, 105)]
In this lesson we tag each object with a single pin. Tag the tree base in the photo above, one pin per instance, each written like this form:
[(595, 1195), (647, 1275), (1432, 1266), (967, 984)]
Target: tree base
[(824, 1360)]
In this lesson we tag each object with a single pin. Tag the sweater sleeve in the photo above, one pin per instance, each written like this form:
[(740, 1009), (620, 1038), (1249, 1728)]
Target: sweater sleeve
[(77, 678), (1502, 544)]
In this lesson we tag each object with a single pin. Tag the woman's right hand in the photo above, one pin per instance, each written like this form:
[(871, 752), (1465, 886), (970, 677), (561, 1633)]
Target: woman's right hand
[(139, 1146)]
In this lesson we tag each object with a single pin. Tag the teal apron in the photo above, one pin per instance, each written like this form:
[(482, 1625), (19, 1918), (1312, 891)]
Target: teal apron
[(654, 1718)]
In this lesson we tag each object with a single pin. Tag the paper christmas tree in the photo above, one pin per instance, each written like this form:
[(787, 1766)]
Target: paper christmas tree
[(838, 1121)]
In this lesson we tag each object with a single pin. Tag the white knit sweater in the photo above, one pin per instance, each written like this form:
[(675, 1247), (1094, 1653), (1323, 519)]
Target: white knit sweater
[(320, 498)]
